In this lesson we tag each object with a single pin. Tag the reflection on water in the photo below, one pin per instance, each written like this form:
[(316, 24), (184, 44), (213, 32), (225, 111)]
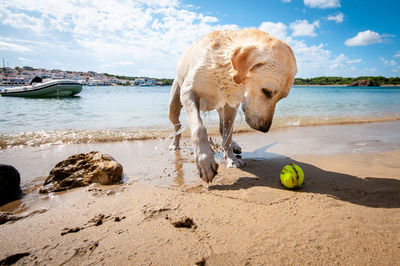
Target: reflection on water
[(179, 174)]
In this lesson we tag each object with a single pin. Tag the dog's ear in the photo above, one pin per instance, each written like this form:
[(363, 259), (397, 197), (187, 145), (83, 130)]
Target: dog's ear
[(243, 59)]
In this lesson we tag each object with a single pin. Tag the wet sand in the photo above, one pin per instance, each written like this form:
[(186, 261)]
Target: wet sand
[(346, 212)]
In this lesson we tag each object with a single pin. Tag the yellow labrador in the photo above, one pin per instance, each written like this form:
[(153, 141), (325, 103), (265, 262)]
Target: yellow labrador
[(221, 71)]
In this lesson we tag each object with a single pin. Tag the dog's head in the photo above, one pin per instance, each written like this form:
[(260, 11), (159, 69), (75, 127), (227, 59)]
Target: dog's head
[(267, 72)]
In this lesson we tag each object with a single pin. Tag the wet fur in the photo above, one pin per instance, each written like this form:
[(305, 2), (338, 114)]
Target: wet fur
[(221, 71)]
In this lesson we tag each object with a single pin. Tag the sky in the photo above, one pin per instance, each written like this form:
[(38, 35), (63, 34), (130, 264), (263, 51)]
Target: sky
[(347, 38)]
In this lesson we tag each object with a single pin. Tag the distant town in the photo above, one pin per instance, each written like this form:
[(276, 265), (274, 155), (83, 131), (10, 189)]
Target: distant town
[(22, 75)]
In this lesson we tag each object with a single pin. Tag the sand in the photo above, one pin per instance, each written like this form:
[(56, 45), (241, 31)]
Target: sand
[(346, 212)]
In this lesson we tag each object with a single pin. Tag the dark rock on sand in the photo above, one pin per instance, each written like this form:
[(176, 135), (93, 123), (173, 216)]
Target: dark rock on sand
[(10, 217), (81, 170), (9, 184), (364, 83), (70, 230), (184, 222), (14, 258)]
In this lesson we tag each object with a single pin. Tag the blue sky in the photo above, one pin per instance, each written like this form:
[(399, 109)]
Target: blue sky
[(146, 37)]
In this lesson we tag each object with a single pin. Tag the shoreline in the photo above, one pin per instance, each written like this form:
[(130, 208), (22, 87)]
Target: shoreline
[(286, 141), (87, 136), (350, 199)]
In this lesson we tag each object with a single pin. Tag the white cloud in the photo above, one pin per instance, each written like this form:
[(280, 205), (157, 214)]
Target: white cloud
[(354, 61), (398, 54), (160, 3), (371, 70), (116, 64), (22, 21), (343, 61), (387, 62), (322, 3), (278, 30), (140, 38), (24, 60), (140, 31), (314, 60), (286, 1), (303, 28), (8, 46), (338, 18), (364, 38), (208, 19)]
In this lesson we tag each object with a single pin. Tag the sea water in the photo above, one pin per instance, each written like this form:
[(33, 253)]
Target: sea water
[(117, 113)]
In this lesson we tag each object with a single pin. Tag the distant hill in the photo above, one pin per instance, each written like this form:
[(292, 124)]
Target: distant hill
[(347, 81), (375, 81)]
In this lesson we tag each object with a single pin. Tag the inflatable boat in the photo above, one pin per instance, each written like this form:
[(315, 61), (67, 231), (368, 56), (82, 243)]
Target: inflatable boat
[(38, 88)]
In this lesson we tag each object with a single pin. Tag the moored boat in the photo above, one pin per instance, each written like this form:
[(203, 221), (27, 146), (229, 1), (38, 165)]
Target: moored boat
[(37, 88)]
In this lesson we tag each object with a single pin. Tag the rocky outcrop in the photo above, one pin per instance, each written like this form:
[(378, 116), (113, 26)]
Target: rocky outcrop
[(10, 180), (364, 83), (82, 170)]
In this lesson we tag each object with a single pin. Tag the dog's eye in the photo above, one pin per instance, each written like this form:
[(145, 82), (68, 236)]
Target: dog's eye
[(258, 65), (267, 93)]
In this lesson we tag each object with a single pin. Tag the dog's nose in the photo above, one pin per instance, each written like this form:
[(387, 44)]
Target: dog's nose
[(265, 128)]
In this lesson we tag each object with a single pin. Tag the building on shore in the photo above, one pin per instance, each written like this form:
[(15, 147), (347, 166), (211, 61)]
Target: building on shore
[(145, 82), (21, 76)]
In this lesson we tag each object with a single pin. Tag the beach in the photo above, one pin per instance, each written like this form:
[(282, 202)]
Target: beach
[(346, 212), (199, 132)]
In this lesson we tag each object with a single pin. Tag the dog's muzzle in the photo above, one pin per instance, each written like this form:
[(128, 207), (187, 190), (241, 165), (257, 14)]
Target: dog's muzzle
[(255, 123), (264, 128)]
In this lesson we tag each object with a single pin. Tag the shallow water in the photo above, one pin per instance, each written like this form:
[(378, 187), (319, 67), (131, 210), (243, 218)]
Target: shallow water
[(104, 114)]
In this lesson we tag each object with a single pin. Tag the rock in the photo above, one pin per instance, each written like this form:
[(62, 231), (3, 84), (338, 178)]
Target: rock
[(184, 222), (200, 262), (14, 258), (364, 83), (81, 170), (8, 217), (9, 184)]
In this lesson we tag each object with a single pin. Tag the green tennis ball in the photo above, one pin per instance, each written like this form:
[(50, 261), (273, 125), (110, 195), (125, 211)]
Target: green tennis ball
[(292, 176)]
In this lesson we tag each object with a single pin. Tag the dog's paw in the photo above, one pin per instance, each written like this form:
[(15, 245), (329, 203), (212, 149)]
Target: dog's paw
[(207, 166), (236, 148), (234, 163)]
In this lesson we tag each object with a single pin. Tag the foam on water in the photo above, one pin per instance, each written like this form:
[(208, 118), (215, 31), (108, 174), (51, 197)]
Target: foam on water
[(70, 136), (109, 114)]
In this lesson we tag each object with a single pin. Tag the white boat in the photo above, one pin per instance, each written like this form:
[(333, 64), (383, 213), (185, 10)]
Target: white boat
[(51, 88)]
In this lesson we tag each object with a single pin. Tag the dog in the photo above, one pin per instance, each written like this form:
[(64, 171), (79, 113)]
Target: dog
[(221, 71)]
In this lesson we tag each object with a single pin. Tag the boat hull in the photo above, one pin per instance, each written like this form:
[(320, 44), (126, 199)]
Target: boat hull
[(50, 89)]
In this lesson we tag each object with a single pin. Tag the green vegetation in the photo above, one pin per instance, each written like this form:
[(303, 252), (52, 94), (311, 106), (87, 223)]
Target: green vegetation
[(346, 81), (120, 77), (165, 82)]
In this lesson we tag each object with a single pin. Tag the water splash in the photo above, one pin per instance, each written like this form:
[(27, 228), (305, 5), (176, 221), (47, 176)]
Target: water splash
[(166, 140), (74, 136)]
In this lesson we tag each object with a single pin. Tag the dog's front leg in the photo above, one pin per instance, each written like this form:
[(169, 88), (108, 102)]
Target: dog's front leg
[(227, 116), (204, 155)]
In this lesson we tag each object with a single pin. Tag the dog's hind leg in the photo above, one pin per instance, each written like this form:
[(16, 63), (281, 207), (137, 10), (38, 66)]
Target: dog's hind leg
[(174, 112), (227, 116)]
